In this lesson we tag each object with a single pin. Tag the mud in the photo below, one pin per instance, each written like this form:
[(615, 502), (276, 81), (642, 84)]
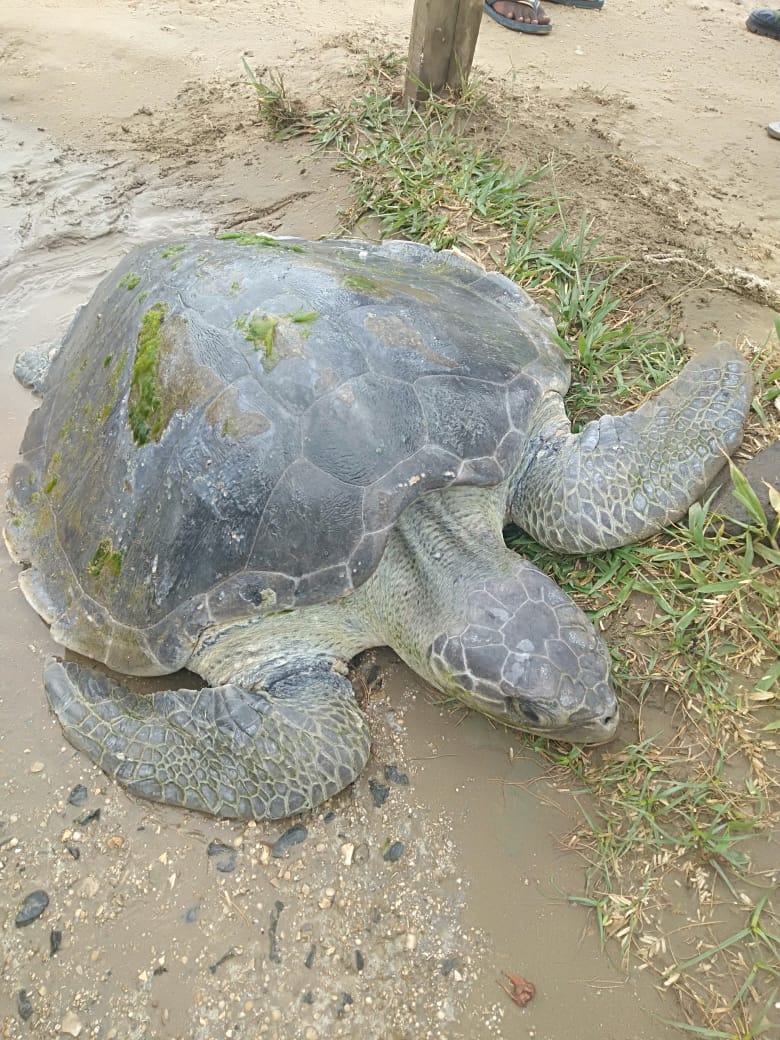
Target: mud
[(132, 126)]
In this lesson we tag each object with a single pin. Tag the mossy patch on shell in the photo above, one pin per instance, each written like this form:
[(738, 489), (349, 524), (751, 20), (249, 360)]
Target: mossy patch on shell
[(106, 560), (244, 238), (144, 409), (359, 283), (112, 383), (130, 280), (303, 317), (259, 331)]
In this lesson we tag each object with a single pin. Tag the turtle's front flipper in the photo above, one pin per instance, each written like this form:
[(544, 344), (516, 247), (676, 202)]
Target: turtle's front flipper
[(223, 750), (624, 477)]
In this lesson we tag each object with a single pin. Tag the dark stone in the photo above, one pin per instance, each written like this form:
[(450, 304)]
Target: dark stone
[(360, 960), (74, 851), (293, 836), (23, 1005), (394, 777), (379, 792), (225, 856), (762, 469), (78, 795), (309, 962), (394, 853), (55, 941), (33, 906)]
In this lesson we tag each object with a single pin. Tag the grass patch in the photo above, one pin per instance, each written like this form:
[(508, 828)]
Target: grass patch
[(674, 816)]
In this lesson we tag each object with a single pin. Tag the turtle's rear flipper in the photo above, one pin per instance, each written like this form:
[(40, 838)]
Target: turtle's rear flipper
[(223, 750), (622, 478)]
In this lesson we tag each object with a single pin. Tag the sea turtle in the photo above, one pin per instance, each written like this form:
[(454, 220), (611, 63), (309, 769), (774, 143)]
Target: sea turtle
[(256, 457)]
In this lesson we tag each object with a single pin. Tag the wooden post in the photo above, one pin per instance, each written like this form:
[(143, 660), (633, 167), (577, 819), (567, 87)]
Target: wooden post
[(442, 44)]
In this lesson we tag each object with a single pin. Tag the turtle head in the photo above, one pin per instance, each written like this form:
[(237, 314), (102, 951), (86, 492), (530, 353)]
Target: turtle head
[(526, 655)]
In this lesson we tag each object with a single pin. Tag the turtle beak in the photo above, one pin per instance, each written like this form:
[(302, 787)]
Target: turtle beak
[(595, 722), (595, 731)]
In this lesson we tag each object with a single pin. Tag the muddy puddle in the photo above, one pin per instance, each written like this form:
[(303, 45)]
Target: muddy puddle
[(407, 896)]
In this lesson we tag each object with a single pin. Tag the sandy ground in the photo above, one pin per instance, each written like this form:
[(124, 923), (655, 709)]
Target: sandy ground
[(123, 121)]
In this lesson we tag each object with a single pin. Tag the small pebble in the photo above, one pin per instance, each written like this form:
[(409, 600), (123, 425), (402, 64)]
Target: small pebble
[(116, 841), (360, 960), (309, 962), (74, 850), (33, 906), (78, 795), (293, 836), (71, 1024), (55, 941), (394, 853), (23, 1005), (37, 767), (394, 777), (379, 792)]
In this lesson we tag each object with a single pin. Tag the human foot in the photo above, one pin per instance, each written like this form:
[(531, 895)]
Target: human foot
[(520, 15)]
